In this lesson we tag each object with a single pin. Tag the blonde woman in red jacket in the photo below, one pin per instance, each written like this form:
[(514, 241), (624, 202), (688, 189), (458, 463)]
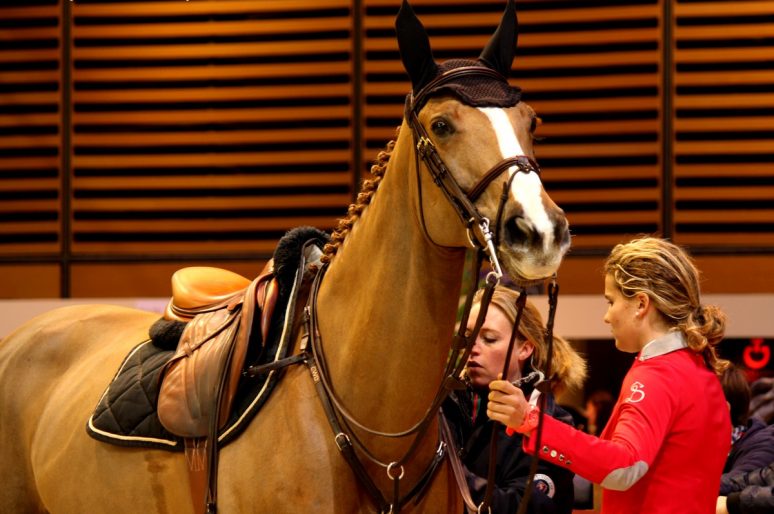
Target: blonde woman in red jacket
[(667, 439)]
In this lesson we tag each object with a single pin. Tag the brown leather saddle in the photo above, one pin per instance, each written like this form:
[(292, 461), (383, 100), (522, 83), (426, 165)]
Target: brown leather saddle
[(221, 308)]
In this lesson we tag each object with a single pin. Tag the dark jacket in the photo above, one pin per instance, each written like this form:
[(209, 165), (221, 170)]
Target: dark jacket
[(753, 451), (752, 492), (552, 489)]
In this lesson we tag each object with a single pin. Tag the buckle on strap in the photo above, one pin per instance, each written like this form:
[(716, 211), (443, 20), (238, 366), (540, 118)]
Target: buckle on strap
[(342, 441)]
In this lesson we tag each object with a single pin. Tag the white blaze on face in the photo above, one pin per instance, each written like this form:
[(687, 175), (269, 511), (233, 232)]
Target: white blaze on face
[(526, 187)]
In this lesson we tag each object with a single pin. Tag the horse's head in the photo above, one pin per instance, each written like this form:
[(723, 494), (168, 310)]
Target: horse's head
[(481, 135)]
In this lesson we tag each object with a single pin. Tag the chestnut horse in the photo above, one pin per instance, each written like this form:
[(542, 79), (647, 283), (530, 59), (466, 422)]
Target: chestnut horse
[(386, 312)]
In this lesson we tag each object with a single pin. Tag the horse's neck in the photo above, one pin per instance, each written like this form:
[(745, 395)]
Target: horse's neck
[(387, 306)]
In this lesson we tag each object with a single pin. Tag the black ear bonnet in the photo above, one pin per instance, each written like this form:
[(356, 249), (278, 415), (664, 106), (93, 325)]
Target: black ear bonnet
[(486, 90)]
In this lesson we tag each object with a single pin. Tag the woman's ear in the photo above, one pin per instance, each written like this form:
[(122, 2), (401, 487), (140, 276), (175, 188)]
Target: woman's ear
[(525, 350), (643, 303)]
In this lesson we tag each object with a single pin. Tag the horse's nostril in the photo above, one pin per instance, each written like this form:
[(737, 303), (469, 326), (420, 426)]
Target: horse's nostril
[(519, 230), (562, 232)]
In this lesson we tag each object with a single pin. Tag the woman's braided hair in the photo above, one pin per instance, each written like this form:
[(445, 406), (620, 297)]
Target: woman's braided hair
[(363, 199), (667, 274)]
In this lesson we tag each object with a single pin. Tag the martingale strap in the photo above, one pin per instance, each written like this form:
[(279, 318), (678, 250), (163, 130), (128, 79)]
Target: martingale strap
[(553, 299)]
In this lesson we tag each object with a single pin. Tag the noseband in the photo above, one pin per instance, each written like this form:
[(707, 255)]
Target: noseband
[(463, 202)]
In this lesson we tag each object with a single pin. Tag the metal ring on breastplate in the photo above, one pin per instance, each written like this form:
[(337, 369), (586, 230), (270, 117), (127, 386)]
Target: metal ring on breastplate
[(391, 466)]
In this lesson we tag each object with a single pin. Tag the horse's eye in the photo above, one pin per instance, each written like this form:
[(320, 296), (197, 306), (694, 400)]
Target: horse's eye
[(441, 128)]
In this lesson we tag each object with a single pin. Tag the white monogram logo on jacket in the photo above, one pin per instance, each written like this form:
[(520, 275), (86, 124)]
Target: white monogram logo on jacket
[(637, 393)]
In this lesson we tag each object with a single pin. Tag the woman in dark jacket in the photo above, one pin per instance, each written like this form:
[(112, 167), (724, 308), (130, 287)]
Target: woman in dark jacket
[(466, 410), (752, 441), (748, 493)]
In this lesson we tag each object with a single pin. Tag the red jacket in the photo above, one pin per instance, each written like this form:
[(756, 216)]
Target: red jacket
[(665, 445)]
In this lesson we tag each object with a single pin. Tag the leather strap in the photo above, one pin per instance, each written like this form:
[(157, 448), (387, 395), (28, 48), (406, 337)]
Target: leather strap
[(458, 469)]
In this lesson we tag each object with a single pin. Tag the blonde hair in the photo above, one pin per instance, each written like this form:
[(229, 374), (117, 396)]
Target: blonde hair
[(568, 367), (667, 274)]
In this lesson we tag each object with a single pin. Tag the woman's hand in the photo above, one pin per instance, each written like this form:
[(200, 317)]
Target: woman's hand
[(720, 507), (506, 403)]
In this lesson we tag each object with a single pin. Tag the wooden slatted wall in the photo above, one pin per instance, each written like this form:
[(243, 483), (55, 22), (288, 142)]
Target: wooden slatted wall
[(724, 125), (208, 127), (138, 137), (30, 144), (200, 133), (30, 127)]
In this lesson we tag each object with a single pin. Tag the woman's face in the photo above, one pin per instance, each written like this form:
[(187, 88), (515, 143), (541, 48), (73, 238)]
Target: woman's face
[(622, 315), (488, 354)]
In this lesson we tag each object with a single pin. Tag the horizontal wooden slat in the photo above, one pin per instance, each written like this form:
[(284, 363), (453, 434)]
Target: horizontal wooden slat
[(28, 55), (716, 78), (150, 139), (736, 123), (725, 193), (602, 195), (205, 182), (214, 202), (30, 12), (193, 247), (725, 170), (604, 218), (209, 115), (724, 147), (173, 8), (721, 55), (725, 239), (204, 51), (219, 72), (162, 96), (203, 225), (724, 31), (725, 100), (723, 10), (230, 159), (34, 205), (726, 216), (219, 28)]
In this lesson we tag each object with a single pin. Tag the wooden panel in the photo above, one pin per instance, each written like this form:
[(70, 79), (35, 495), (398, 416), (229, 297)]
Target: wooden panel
[(601, 148), (30, 280), (209, 128), (30, 135), (724, 125)]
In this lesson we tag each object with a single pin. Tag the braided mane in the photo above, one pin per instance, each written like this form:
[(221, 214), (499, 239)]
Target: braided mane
[(363, 199)]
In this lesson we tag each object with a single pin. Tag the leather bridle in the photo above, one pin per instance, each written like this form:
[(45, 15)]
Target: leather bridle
[(463, 202), (485, 242)]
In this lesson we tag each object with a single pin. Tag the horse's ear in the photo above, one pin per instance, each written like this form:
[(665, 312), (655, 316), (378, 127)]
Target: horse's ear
[(414, 48), (500, 50)]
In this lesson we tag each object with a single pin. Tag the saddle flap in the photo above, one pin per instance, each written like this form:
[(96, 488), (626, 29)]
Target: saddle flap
[(191, 379)]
